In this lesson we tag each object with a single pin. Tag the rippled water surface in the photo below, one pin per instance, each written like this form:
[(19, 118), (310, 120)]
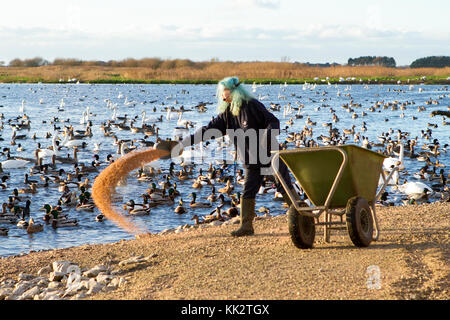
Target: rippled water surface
[(42, 103)]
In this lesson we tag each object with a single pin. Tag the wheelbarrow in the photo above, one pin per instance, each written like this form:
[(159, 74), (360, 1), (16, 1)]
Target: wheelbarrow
[(338, 181)]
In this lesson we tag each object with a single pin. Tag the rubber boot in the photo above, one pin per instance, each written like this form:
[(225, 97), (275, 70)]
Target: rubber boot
[(247, 215)]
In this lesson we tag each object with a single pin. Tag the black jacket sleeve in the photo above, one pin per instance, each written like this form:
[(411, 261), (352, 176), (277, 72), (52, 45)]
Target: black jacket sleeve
[(218, 122)]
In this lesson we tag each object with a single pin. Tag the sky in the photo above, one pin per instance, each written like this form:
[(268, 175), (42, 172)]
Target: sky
[(230, 30)]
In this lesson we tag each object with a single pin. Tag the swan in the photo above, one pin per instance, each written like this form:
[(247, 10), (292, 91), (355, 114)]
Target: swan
[(415, 190), (97, 146), (14, 163), (114, 116), (22, 108), (182, 122), (71, 143), (83, 118), (88, 113), (169, 115), (191, 153), (45, 153), (144, 119), (390, 162)]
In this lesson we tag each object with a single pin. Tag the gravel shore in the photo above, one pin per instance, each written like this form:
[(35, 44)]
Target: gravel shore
[(410, 259)]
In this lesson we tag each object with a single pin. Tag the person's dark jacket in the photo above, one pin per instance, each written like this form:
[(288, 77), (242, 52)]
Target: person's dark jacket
[(253, 115)]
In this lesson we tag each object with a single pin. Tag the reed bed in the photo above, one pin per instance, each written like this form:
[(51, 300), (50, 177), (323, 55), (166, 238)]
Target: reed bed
[(211, 71)]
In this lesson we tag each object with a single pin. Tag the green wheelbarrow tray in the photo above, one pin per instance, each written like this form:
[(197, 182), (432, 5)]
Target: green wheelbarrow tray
[(331, 176), (316, 169)]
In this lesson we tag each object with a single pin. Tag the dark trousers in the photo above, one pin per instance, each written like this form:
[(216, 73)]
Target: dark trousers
[(254, 178)]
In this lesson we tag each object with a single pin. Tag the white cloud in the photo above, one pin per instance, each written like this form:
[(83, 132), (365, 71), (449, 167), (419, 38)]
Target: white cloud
[(266, 4), (327, 42)]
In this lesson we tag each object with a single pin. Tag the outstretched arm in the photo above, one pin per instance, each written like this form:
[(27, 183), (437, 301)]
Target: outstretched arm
[(215, 128)]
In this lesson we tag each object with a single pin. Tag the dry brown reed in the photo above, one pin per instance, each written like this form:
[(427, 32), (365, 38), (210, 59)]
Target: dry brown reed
[(214, 71), (105, 183)]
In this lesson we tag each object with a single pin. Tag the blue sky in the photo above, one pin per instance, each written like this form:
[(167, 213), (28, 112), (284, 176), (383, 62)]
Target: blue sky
[(239, 30)]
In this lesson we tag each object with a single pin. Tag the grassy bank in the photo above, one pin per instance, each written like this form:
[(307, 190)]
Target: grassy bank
[(264, 73)]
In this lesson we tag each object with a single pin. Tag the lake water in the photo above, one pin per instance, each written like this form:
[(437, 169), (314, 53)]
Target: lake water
[(42, 103)]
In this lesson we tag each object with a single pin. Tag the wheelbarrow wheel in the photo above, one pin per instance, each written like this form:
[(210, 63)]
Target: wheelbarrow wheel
[(359, 221), (301, 228)]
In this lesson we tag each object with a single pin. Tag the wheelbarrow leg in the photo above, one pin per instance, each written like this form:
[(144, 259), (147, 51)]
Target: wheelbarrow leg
[(326, 232)]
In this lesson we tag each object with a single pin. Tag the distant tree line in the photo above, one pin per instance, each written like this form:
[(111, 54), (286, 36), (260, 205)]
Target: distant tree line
[(372, 61), (432, 62), (154, 63), (321, 65), (33, 62), (158, 63)]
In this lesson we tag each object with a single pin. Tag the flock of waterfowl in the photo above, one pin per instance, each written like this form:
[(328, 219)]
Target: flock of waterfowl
[(58, 153)]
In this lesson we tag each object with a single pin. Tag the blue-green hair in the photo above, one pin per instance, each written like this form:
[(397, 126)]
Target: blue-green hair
[(238, 95)]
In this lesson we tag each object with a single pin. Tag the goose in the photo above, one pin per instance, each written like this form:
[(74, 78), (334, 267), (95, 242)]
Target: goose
[(34, 227)]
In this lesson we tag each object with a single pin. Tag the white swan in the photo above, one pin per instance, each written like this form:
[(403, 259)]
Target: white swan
[(22, 108), (97, 146), (83, 118), (70, 143), (170, 115), (415, 190), (114, 116), (14, 163), (88, 112), (391, 161), (182, 122), (46, 153), (150, 119), (191, 153)]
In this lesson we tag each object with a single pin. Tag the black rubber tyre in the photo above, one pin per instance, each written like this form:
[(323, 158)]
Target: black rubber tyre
[(359, 221), (301, 229)]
